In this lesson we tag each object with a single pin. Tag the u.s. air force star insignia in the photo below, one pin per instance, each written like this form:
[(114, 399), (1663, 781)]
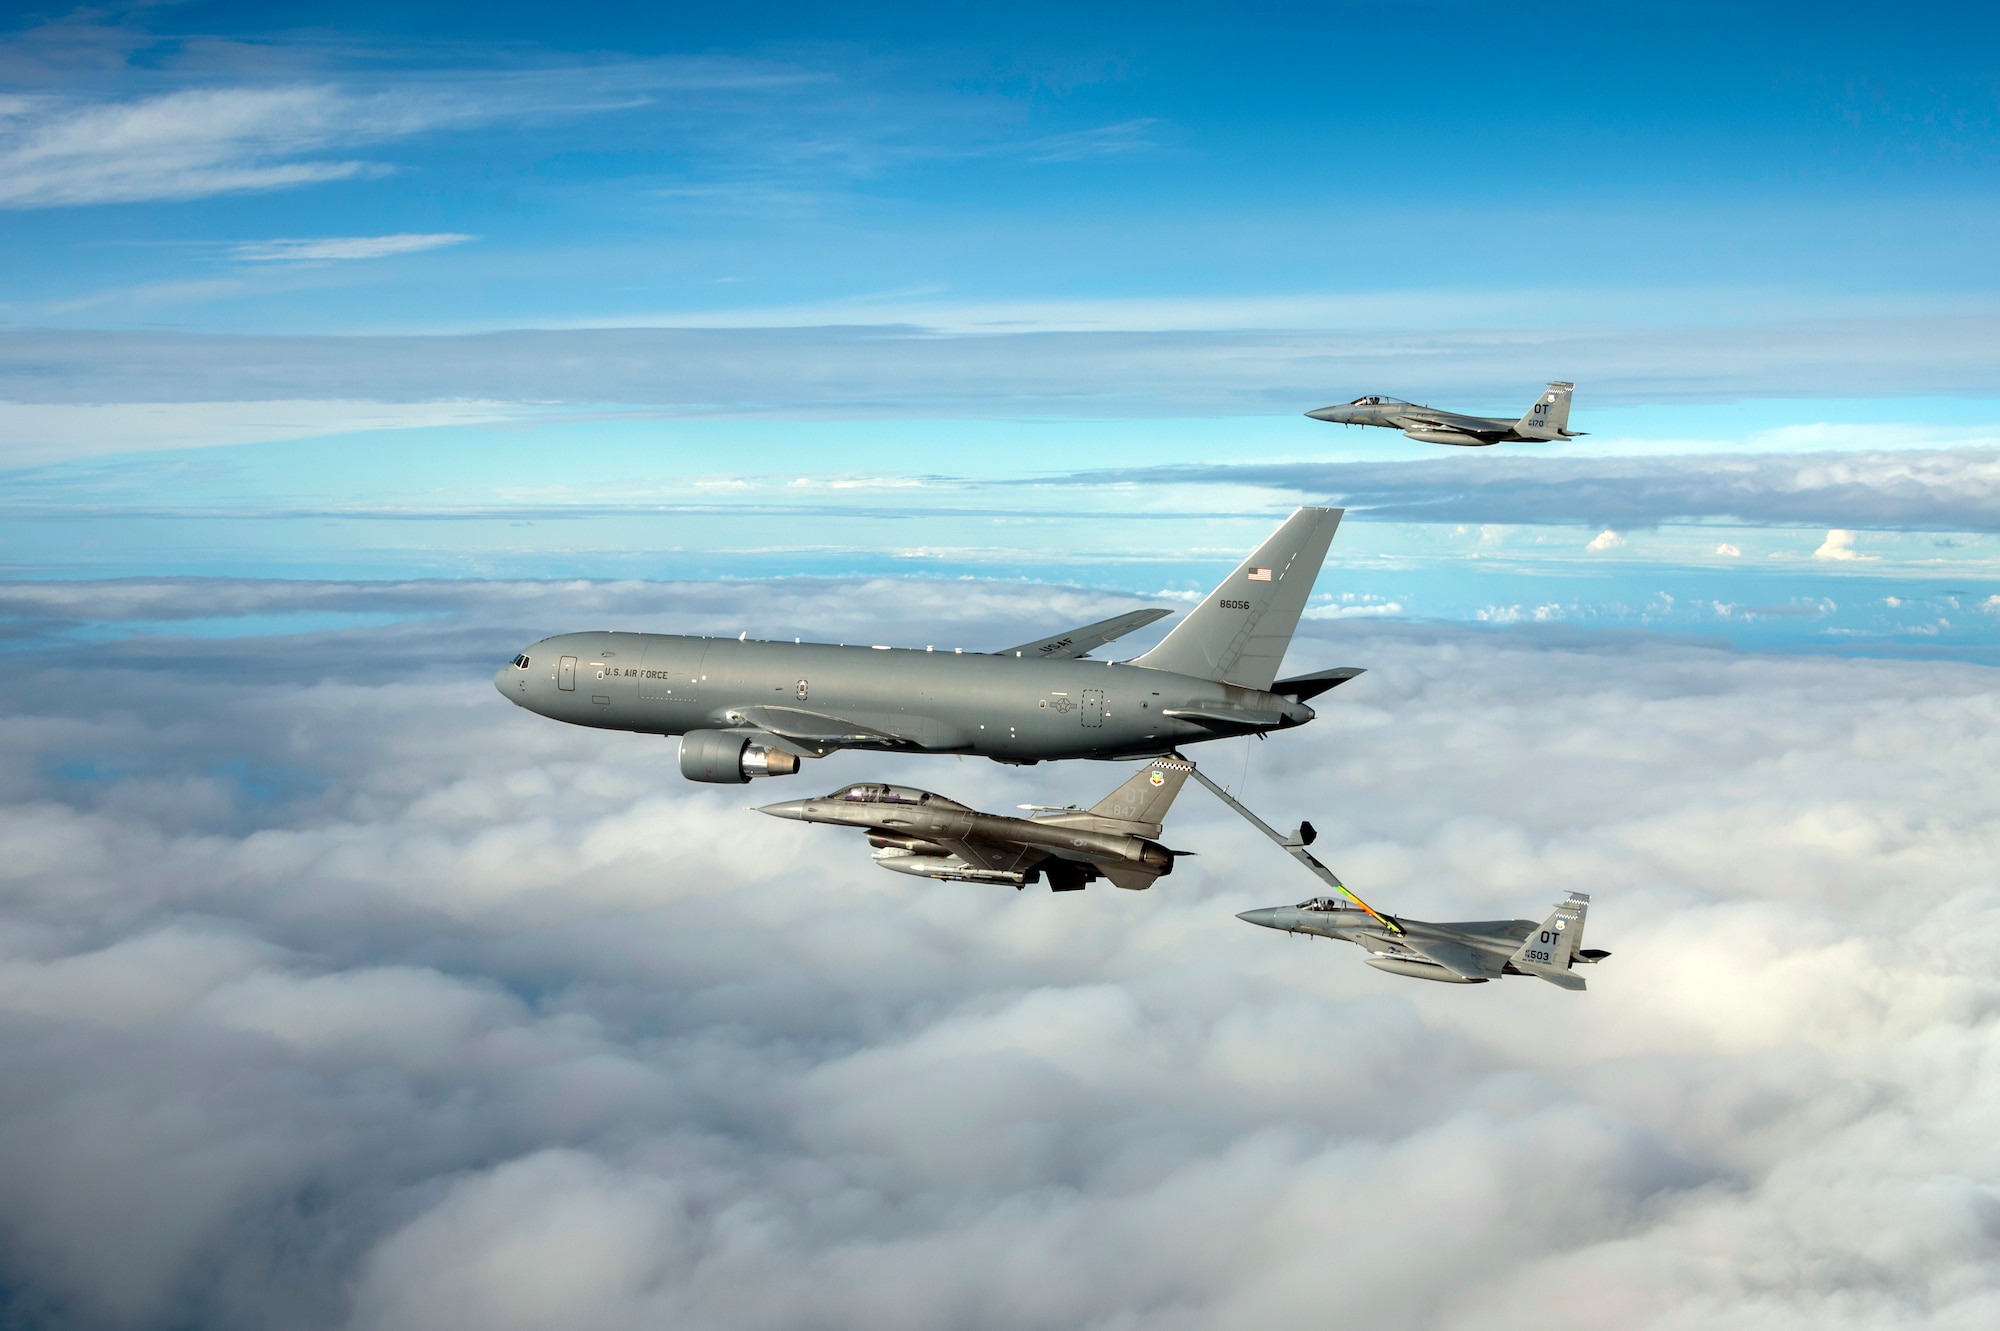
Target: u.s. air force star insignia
[(1159, 779)]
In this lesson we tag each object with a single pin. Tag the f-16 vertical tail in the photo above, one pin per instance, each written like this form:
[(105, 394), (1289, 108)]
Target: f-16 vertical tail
[(1549, 950), (1145, 799), (1239, 634), (1549, 417)]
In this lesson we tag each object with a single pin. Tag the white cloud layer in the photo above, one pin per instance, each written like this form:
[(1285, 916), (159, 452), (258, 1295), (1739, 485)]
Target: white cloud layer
[(877, 368), (334, 992)]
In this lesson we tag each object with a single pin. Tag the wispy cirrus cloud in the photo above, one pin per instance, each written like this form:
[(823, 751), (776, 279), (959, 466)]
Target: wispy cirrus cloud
[(338, 248), (184, 145), (1126, 136), (59, 150)]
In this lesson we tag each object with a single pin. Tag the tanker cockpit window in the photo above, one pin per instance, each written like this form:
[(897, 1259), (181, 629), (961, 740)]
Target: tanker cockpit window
[(521, 662)]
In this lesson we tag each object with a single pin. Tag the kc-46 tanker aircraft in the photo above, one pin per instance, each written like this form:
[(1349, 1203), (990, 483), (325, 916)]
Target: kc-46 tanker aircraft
[(749, 709), (1547, 419)]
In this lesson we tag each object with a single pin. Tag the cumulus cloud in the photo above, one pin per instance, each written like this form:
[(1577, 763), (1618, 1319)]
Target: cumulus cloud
[(334, 992), (1839, 545), (1605, 540), (1728, 551)]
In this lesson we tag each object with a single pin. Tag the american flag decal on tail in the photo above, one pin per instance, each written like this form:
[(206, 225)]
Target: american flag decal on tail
[(1260, 575)]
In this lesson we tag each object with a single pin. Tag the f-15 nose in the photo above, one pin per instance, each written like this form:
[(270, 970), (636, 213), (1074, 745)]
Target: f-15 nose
[(793, 809), (1267, 916), (1334, 414)]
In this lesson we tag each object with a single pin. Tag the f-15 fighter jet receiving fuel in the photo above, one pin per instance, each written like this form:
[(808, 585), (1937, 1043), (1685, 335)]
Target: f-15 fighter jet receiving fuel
[(919, 833), (747, 709), (1465, 952), (1547, 419)]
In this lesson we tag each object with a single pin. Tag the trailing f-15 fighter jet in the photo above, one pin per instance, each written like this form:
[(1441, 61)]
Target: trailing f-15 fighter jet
[(919, 833), (748, 709), (1547, 419), (1464, 952)]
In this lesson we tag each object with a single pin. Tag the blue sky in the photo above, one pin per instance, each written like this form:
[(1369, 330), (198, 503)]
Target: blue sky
[(399, 290), (1684, 162)]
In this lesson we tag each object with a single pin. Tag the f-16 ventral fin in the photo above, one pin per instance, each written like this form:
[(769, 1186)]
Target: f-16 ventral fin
[(1239, 633), (1083, 641)]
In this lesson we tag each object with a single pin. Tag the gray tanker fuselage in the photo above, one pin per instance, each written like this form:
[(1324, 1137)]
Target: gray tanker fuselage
[(748, 709), (1008, 708)]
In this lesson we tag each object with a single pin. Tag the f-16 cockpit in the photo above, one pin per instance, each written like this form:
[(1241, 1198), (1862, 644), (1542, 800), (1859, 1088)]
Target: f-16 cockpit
[(875, 793)]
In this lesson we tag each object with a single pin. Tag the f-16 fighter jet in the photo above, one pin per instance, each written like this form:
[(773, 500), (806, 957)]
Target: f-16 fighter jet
[(1464, 952), (1547, 419), (916, 832), (749, 709)]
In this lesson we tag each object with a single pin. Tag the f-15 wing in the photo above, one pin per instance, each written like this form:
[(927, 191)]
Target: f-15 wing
[(1451, 420), (1083, 641), (1467, 963)]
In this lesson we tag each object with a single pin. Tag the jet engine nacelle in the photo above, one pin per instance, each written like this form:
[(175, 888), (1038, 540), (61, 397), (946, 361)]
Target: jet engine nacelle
[(730, 758)]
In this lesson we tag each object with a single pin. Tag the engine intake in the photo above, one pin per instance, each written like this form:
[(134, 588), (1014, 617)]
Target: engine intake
[(730, 758)]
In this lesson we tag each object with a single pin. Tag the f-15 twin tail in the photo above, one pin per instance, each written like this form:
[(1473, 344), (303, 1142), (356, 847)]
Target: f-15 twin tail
[(748, 709)]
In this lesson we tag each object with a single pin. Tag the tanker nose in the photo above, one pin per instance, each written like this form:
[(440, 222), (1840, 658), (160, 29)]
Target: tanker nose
[(1267, 916), (793, 809), (512, 681)]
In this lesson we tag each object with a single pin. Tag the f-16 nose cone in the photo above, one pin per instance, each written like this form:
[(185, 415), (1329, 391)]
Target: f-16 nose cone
[(794, 809), (1264, 915), (1325, 414)]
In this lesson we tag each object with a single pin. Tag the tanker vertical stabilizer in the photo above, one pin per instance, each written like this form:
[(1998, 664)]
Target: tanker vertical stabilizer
[(1239, 633)]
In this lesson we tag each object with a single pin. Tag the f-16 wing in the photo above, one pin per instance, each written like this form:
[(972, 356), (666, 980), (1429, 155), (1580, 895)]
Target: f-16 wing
[(987, 855), (1083, 641)]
